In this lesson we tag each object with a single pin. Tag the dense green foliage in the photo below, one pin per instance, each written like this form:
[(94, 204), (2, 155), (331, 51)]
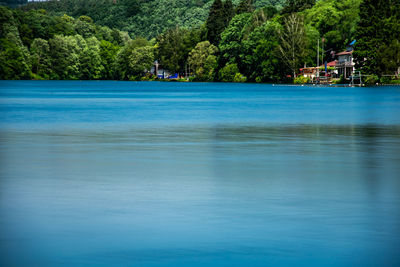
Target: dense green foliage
[(378, 37), (222, 40), (203, 61), (13, 3), (36, 45), (145, 18)]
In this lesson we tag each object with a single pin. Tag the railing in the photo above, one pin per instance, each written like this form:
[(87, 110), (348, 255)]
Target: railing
[(345, 64)]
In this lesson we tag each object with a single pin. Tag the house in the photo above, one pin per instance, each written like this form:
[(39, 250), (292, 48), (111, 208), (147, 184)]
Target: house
[(345, 64), (311, 72), (159, 71)]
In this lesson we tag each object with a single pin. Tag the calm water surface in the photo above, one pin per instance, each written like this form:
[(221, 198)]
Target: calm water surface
[(198, 174)]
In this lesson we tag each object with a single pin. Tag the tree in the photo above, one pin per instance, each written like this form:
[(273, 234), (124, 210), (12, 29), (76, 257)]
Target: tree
[(133, 59), (90, 60), (173, 48), (336, 21), (218, 19), (229, 72), (293, 6), (203, 61), (245, 6), (293, 42), (13, 63), (229, 11), (108, 52), (14, 56), (64, 53), (261, 60), (377, 31), (40, 59), (231, 44), (141, 59)]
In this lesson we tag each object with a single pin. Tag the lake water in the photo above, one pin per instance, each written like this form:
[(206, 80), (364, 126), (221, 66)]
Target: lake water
[(104, 173)]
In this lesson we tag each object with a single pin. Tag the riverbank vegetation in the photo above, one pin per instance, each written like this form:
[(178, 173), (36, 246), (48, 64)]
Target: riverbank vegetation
[(256, 41)]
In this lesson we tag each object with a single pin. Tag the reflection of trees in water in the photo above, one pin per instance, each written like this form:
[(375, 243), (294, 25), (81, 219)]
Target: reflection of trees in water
[(370, 158), (239, 133)]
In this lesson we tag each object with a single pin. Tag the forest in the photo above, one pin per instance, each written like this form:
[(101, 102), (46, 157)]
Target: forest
[(254, 41)]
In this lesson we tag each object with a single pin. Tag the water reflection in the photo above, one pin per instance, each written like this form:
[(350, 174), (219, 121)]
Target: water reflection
[(201, 195), (194, 174)]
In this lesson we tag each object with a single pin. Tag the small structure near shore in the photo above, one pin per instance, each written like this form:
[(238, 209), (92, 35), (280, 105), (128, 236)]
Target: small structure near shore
[(345, 64)]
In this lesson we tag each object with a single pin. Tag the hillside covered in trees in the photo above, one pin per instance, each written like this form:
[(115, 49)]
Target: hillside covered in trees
[(233, 41), (141, 18)]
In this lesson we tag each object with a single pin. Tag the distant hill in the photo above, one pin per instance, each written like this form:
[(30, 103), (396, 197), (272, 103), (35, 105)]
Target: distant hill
[(13, 3), (146, 18)]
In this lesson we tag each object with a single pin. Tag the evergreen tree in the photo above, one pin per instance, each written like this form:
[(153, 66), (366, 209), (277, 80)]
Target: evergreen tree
[(293, 6), (245, 6), (219, 17), (229, 11), (215, 22), (377, 31)]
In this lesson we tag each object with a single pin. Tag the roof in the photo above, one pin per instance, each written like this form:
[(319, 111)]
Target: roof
[(345, 53), (329, 64), (332, 63)]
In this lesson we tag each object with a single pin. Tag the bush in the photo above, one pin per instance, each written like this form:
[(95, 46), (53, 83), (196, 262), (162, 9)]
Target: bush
[(149, 77), (395, 81), (301, 80), (258, 79), (228, 73), (371, 80), (342, 80), (134, 78), (239, 78), (385, 80)]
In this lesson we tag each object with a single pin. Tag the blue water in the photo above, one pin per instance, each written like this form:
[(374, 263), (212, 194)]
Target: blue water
[(198, 174)]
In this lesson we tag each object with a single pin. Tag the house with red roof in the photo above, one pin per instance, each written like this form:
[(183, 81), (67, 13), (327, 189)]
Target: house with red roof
[(345, 64)]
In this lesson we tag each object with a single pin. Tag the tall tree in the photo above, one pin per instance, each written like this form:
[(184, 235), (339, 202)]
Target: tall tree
[(293, 42), (245, 6), (231, 45), (377, 31), (174, 47), (336, 21), (229, 11), (203, 61), (40, 58), (293, 6), (90, 59), (218, 19)]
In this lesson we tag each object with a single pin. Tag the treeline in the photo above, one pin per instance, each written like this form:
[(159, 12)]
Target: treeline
[(36, 45), (245, 43), (143, 18), (237, 42)]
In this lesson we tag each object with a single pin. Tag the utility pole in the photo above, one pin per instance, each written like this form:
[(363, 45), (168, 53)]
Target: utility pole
[(156, 64), (323, 40), (317, 78)]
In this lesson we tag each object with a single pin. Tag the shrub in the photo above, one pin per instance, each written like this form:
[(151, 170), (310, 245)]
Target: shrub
[(258, 79), (371, 80), (342, 80), (385, 80), (134, 78), (239, 78), (227, 73), (395, 81), (301, 80)]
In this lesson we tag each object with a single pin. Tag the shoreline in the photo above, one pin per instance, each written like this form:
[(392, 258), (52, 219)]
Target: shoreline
[(273, 84)]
